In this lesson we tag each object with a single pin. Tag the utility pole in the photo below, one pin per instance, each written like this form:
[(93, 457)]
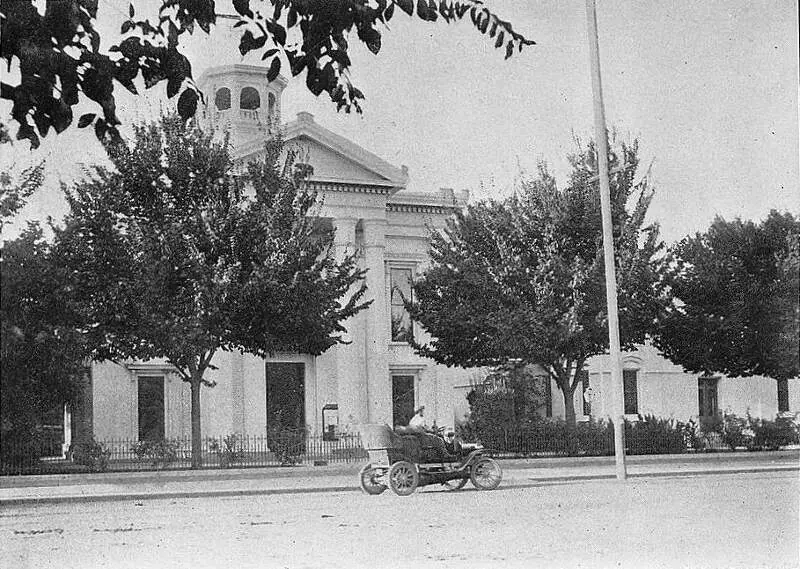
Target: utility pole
[(601, 136)]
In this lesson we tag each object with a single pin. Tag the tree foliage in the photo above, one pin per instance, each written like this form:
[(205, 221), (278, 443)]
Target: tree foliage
[(523, 278), (43, 353), (60, 52), (172, 256), (737, 299), (15, 190)]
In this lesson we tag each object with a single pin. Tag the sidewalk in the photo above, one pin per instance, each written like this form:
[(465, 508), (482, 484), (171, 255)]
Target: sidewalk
[(136, 486)]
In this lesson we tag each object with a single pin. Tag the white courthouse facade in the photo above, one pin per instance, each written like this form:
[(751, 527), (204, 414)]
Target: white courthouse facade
[(376, 377)]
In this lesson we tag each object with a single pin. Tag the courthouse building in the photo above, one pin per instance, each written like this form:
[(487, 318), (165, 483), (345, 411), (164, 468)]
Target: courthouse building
[(376, 377)]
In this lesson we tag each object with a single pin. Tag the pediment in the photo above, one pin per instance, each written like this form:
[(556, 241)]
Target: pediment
[(333, 157)]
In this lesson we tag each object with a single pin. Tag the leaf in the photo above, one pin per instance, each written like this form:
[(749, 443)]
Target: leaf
[(499, 41), (130, 10), (100, 128), (248, 43), (269, 53), (173, 86), (371, 37), (274, 69), (509, 49), (86, 120), (406, 6), (388, 13), (242, 7), (291, 18), (187, 104)]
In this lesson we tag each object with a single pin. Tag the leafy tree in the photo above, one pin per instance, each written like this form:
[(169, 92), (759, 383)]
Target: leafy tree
[(14, 193), (43, 353), (172, 257), (59, 52), (736, 290), (523, 278)]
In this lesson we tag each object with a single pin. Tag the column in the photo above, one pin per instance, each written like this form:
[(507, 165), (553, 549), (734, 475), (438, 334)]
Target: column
[(350, 371), (379, 389)]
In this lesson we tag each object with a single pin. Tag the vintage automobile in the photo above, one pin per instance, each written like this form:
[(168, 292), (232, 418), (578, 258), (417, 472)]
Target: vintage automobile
[(404, 460)]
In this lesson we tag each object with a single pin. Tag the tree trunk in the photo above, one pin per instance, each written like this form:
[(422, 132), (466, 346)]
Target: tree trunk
[(569, 410), (197, 448), (569, 419)]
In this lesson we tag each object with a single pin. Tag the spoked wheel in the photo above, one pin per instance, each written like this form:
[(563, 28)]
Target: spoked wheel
[(403, 478), (456, 484), (367, 477), (486, 474)]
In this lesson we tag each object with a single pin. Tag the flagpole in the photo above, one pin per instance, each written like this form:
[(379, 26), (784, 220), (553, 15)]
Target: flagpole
[(601, 137)]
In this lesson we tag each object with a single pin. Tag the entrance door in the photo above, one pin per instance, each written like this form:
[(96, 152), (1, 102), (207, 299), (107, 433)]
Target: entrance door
[(151, 408), (402, 399), (286, 399)]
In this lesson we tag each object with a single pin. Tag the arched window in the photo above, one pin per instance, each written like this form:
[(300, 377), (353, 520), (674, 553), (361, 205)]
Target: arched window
[(223, 99), (249, 100), (271, 104)]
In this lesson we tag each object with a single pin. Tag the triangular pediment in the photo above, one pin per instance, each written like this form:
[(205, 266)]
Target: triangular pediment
[(333, 157)]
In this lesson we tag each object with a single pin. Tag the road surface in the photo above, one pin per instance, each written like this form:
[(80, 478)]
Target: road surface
[(709, 521)]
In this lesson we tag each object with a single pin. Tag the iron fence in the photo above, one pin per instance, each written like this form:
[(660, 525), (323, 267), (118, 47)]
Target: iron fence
[(233, 451)]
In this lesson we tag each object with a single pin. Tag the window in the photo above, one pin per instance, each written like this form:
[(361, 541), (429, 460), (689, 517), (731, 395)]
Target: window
[(402, 399), (544, 389), (783, 395), (630, 387), (249, 100), (151, 408), (223, 99), (402, 327), (707, 397), (583, 376)]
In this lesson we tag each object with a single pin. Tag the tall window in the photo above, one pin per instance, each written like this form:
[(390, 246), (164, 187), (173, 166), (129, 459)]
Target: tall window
[(783, 395), (223, 99), (249, 99), (707, 397), (629, 382), (402, 327), (583, 376), (151, 408)]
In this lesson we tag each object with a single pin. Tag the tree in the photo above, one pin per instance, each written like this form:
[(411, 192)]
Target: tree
[(524, 279), (736, 292), (171, 257), (14, 194), (60, 55), (43, 353)]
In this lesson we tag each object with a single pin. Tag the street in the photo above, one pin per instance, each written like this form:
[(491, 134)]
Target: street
[(724, 520)]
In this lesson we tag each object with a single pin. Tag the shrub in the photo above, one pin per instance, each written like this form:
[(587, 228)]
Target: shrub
[(231, 451), (771, 435), (653, 435), (595, 438), (91, 454), (160, 453), (735, 431), (287, 444)]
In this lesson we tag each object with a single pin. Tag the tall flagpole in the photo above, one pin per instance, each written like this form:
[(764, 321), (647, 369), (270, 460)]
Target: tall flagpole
[(608, 243)]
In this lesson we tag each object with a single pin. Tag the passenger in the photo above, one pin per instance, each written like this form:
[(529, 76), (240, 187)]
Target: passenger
[(418, 425)]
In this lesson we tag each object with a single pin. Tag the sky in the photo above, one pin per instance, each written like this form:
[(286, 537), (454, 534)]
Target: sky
[(709, 88)]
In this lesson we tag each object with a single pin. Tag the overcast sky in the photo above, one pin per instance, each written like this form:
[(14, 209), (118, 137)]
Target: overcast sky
[(710, 88)]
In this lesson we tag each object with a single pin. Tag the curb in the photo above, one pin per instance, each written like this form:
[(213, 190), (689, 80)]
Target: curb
[(530, 482)]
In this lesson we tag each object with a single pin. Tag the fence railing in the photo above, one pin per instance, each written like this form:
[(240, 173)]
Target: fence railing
[(224, 452)]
